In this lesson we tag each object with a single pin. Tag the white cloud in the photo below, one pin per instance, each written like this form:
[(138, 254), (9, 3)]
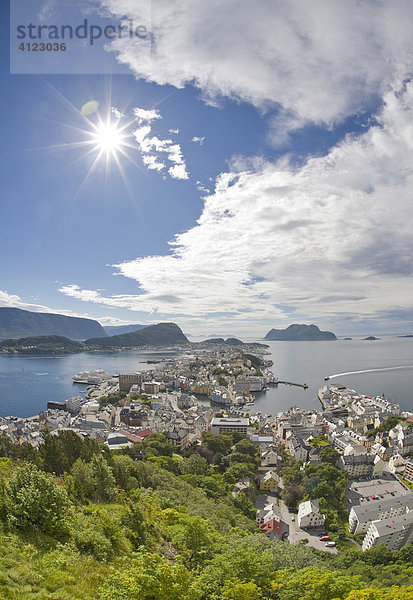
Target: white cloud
[(117, 113), (198, 140), (178, 172), (47, 11), (331, 239), (147, 116), (150, 145), (153, 163), (174, 131), (14, 301), (202, 188), (319, 61)]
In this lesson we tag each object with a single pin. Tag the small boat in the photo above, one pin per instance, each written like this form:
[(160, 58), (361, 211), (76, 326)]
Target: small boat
[(326, 378)]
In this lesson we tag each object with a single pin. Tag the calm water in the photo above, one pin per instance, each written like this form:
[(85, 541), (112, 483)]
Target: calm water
[(28, 383), (310, 362)]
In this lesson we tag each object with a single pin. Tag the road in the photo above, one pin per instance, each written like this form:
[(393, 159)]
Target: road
[(290, 529)]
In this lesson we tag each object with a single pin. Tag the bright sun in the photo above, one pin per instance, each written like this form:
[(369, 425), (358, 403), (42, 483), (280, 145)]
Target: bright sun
[(108, 138)]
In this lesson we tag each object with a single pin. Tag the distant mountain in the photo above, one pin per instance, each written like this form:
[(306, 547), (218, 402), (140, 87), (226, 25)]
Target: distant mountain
[(42, 344), (18, 323), (297, 333), (371, 338), (119, 329), (228, 341), (162, 334)]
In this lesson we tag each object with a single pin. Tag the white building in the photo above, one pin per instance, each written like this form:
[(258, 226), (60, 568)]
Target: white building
[(229, 425), (256, 383), (394, 532), (362, 515), (396, 464), (309, 514)]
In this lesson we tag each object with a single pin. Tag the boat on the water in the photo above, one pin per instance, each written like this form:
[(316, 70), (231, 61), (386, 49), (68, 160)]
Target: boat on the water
[(91, 377)]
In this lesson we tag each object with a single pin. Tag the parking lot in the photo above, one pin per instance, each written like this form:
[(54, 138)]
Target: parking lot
[(370, 489)]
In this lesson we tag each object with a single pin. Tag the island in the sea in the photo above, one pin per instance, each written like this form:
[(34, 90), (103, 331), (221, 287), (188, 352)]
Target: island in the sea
[(371, 338), (300, 333)]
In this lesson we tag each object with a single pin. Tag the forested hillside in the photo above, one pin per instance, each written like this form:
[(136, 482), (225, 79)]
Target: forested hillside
[(80, 522), (18, 323)]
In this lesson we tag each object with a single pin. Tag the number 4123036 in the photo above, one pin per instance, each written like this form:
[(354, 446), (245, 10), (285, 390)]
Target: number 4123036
[(42, 47)]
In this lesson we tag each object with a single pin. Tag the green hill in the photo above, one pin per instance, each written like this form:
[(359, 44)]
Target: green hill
[(78, 522), (44, 344), (18, 323), (120, 329), (162, 334), (296, 333)]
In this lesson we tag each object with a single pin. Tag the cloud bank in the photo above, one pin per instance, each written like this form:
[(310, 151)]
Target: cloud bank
[(329, 241), (317, 61)]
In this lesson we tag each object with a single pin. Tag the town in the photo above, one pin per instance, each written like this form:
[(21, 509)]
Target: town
[(323, 478)]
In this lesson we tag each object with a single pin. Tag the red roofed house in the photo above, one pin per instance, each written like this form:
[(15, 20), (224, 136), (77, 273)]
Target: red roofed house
[(143, 433), (272, 528)]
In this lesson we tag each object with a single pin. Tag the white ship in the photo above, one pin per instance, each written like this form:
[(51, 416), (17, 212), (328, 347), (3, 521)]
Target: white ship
[(91, 377)]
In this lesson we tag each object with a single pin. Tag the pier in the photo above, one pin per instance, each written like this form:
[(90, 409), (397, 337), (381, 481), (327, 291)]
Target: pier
[(301, 385)]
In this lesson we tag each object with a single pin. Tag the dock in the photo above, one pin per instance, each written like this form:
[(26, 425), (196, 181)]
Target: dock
[(301, 385)]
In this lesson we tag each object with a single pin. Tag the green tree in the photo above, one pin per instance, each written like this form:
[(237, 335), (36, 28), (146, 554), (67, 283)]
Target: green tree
[(217, 443), (149, 577), (169, 463), (158, 445), (292, 495), (60, 452), (236, 590), (394, 593), (213, 485), (134, 521), (196, 465), (83, 483), (194, 537), (103, 479), (239, 471), (24, 451), (247, 447), (122, 466), (245, 505), (245, 559), (329, 456), (312, 583), (35, 500)]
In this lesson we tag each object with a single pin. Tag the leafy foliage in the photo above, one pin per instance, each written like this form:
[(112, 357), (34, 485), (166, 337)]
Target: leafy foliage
[(87, 524), (34, 500)]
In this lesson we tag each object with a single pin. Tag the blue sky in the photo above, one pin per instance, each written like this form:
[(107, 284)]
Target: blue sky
[(283, 181)]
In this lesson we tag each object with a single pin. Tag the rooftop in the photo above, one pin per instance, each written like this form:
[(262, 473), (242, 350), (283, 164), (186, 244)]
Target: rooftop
[(368, 511), (229, 421), (394, 524), (379, 487)]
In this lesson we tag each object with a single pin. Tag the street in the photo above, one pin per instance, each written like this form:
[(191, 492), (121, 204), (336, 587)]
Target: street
[(290, 529)]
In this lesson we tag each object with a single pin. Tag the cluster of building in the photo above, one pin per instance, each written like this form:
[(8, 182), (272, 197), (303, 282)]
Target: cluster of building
[(178, 398), (175, 399), (375, 458)]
